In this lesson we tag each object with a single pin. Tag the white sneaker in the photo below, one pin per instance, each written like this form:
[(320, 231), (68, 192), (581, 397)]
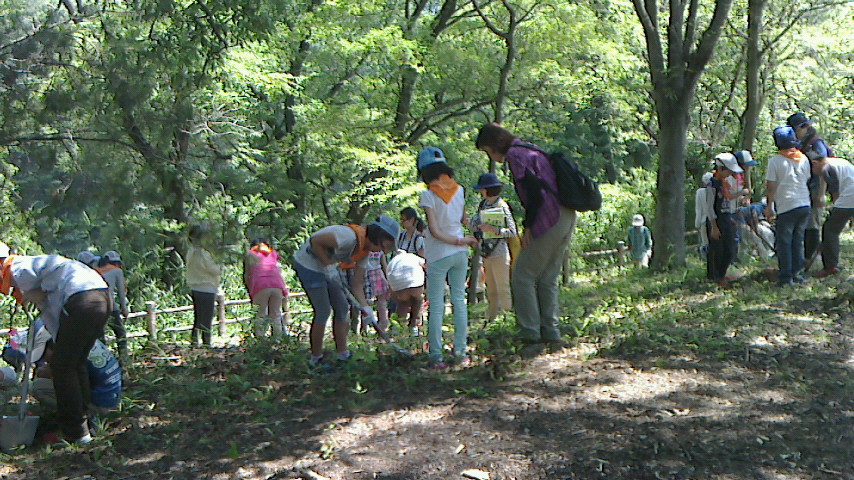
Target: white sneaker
[(84, 440)]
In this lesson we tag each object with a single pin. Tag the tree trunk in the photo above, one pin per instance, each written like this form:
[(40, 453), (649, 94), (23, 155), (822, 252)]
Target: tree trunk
[(669, 227), (754, 63)]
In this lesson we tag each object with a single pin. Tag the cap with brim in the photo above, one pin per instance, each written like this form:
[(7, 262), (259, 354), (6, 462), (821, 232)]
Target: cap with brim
[(488, 180), (389, 225), (798, 120), (707, 177), (728, 161), (86, 257), (637, 220), (429, 156), (112, 256), (39, 343), (745, 159)]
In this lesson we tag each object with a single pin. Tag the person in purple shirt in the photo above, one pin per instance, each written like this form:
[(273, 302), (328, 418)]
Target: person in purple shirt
[(548, 230)]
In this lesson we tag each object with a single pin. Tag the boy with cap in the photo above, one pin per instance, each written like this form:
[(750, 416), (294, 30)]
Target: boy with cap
[(788, 198), (493, 237), (839, 176), (720, 214), (813, 147)]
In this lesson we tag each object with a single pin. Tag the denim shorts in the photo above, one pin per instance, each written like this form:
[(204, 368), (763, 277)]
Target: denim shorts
[(310, 278)]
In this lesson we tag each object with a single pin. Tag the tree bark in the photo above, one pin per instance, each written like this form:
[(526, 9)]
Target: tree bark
[(669, 226)]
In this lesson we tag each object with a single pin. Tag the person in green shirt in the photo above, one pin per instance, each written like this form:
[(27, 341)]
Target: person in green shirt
[(640, 242)]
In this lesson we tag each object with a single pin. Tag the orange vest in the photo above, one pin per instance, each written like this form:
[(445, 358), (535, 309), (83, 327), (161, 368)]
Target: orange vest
[(360, 252)]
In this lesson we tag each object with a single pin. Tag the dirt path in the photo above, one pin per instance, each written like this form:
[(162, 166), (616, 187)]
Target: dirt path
[(769, 400)]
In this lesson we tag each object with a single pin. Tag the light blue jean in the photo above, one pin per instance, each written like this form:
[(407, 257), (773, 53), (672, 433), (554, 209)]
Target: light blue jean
[(454, 269), (789, 243)]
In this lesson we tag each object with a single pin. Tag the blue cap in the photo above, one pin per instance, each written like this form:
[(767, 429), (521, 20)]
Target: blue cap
[(389, 226), (745, 159), (429, 156), (785, 138), (487, 180)]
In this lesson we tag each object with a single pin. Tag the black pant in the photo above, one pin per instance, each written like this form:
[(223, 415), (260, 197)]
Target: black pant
[(204, 305), (81, 322), (721, 251), (118, 327), (812, 238)]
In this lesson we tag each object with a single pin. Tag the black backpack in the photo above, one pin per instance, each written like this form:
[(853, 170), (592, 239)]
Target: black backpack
[(575, 190)]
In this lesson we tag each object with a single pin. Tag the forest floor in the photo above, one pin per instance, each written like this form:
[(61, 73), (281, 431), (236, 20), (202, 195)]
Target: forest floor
[(666, 377)]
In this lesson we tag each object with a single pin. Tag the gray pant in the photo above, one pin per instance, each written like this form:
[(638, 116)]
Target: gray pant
[(535, 281), (830, 232)]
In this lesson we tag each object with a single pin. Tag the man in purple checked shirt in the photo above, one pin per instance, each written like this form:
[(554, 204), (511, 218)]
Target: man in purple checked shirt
[(548, 230)]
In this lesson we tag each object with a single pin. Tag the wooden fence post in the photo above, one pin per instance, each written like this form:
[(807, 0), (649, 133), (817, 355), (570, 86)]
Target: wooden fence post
[(220, 313), (151, 316)]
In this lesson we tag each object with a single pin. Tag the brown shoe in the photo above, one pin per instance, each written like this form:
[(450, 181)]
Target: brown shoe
[(827, 272)]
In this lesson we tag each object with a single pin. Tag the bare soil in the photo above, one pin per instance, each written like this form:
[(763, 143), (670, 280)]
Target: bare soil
[(781, 408)]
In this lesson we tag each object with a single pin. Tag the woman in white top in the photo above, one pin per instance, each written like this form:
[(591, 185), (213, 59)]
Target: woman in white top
[(203, 275)]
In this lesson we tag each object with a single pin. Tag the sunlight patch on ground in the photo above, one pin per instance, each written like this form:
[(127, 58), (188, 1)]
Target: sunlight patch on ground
[(151, 458)]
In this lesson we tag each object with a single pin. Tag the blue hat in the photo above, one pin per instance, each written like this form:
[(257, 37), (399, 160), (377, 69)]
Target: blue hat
[(488, 180), (389, 226), (785, 138), (745, 159), (429, 156), (798, 120)]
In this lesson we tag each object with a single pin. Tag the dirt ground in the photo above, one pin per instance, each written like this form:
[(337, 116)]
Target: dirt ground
[(780, 409)]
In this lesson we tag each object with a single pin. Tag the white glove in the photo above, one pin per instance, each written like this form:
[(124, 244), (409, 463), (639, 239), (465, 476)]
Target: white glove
[(369, 315), (331, 272)]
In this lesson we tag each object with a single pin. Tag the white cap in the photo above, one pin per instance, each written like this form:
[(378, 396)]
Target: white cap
[(4, 250), (728, 161), (707, 177), (637, 220)]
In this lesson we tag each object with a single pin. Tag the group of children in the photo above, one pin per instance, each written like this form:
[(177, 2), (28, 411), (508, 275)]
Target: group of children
[(434, 256), (798, 178)]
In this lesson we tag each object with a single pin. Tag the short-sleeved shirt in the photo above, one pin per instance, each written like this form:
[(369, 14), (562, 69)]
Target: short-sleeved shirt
[(839, 174), (347, 243), (59, 278), (405, 271), (411, 244), (791, 178), (448, 218)]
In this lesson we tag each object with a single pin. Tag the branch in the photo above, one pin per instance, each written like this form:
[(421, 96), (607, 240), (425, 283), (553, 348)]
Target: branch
[(646, 12), (61, 137), (486, 21), (697, 62), (690, 28)]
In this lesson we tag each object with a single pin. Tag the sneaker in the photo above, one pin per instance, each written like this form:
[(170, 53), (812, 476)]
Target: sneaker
[(798, 279), (437, 364), (320, 366), (556, 345), (532, 350), (84, 440), (827, 272), (723, 283)]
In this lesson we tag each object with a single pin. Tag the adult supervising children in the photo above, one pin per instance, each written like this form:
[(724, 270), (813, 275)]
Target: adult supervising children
[(839, 175), (446, 249), (110, 267), (788, 199), (317, 266), (548, 230), (203, 276), (75, 305)]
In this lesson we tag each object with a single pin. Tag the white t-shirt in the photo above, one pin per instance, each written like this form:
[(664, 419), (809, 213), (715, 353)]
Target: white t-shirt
[(347, 242), (405, 271), (448, 219), (791, 178), (839, 174), (700, 214)]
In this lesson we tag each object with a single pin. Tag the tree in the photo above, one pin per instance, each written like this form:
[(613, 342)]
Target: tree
[(676, 58)]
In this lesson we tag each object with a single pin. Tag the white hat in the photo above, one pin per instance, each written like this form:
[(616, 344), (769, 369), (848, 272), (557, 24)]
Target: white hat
[(707, 177), (728, 161), (637, 220), (4, 250)]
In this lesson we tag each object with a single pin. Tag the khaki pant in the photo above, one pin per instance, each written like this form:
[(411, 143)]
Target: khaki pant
[(268, 305), (497, 271), (535, 281)]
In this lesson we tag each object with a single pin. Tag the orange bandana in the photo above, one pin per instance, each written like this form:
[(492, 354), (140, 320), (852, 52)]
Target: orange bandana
[(262, 248), (444, 187), (6, 280), (793, 154)]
